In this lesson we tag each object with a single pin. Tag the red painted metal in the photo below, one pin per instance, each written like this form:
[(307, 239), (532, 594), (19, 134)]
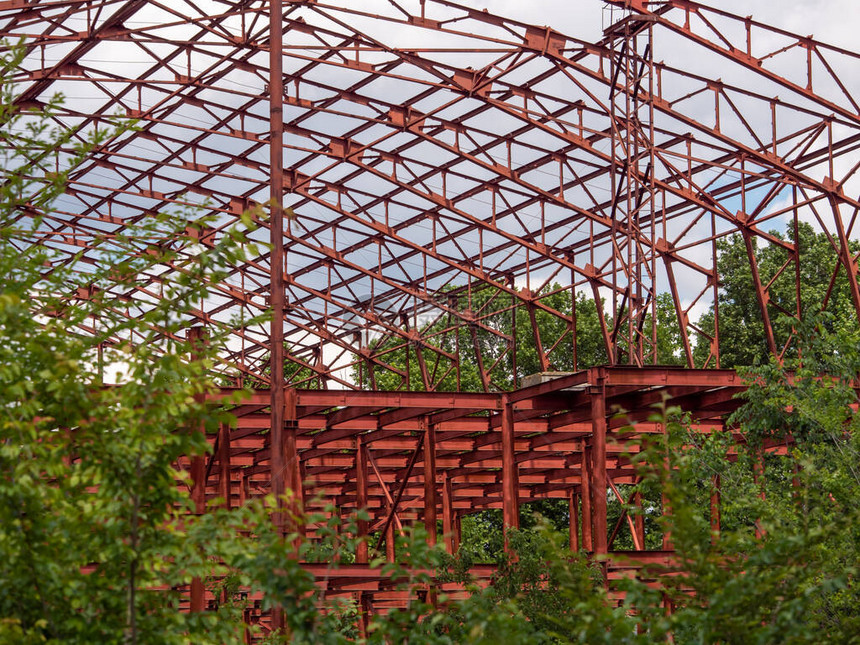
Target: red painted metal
[(454, 197), (573, 521), (430, 480), (392, 231), (361, 497), (510, 470), (196, 338), (475, 451), (598, 466)]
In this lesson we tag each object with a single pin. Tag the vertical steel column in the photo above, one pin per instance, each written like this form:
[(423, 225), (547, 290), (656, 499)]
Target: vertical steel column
[(196, 338), (448, 514), (664, 501), (510, 480), (585, 496), (573, 521), (361, 497), (429, 479), (598, 461), (276, 223), (224, 489), (292, 463), (365, 605), (276, 264), (715, 508), (429, 491), (390, 552), (639, 520)]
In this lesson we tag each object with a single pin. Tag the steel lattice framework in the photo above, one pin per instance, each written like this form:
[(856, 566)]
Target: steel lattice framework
[(441, 169)]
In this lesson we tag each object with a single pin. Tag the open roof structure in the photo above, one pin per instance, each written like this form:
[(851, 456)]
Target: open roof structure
[(433, 175), (431, 150)]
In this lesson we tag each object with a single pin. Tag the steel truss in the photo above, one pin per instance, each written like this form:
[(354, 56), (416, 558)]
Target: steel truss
[(436, 170), (423, 457)]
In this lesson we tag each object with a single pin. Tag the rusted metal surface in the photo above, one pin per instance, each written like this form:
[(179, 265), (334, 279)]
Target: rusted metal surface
[(475, 452), (436, 188), (450, 192)]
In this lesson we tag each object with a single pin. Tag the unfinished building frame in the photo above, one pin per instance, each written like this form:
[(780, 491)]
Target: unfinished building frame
[(445, 186)]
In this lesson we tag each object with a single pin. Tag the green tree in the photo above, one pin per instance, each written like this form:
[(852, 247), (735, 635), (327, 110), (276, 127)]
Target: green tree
[(785, 565), (98, 535), (742, 337), (490, 335), (98, 542)]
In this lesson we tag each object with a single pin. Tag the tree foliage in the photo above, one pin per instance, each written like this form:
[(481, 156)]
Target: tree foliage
[(98, 537), (504, 342), (98, 543), (824, 286)]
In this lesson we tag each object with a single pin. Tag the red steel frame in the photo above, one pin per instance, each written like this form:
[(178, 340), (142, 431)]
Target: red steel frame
[(423, 456), (415, 154)]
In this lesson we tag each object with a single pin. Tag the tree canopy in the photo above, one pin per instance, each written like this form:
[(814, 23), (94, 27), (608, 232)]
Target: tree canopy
[(486, 346), (823, 287), (100, 539)]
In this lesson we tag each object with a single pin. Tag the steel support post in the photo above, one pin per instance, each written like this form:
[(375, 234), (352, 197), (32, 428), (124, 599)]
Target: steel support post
[(361, 498), (666, 507), (224, 489), (639, 520), (276, 268), (292, 462), (390, 552), (667, 512), (598, 461), (715, 508), (429, 480), (573, 521), (366, 606), (448, 514), (196, 338), (276, 223), (429, 490), (510, 483), (276, 265), (585, 496)]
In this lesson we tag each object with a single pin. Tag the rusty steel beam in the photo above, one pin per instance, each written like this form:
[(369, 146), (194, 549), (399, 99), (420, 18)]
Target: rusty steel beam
[(516, 189)]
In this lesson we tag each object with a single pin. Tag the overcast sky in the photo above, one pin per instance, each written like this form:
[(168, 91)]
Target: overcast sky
[(834, 21)]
